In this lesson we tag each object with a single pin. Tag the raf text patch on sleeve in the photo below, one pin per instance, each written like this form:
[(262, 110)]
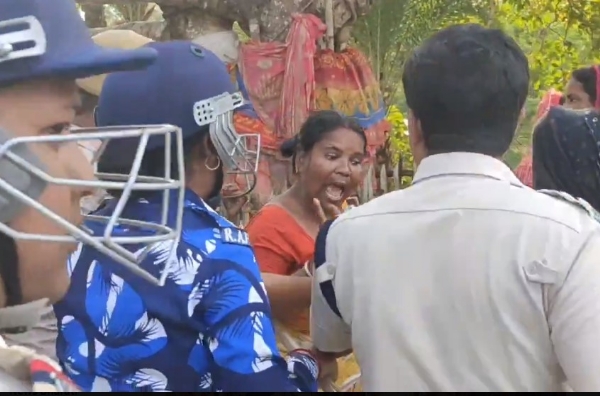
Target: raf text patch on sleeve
[(235, 236)]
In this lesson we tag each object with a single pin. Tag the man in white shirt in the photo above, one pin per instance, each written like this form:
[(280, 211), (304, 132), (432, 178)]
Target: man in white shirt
[(467, 280)]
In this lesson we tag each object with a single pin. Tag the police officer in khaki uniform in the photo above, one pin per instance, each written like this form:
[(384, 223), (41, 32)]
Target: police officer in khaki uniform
[(44, 48), (467, 280)]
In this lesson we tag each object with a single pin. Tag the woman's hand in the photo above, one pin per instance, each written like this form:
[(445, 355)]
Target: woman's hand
[(329, 370), (306, 270), (326, 211)]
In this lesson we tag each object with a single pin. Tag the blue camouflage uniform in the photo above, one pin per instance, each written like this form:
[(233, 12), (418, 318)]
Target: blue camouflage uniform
[(209, 328)]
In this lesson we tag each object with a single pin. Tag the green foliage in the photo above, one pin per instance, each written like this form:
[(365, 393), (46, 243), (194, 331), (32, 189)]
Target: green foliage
[(395, 27), (399, 144), (558, 36), (242, 36)]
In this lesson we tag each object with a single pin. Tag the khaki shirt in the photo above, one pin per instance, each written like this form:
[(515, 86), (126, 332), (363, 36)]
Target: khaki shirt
[(41, 336), (23, 369), (465, 281)]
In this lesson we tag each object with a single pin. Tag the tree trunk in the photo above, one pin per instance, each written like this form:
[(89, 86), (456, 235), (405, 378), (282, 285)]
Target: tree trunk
[(187, 19), (94, 15)]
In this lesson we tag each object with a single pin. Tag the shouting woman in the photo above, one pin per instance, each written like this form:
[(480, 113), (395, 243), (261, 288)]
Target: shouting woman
[(327, 155)]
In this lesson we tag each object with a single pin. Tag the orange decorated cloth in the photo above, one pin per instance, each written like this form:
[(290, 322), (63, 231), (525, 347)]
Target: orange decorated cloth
[(344, 81), (286, 81), (279, 77)]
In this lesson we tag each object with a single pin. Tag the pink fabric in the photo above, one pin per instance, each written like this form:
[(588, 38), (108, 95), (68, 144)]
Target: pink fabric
[(280, 78), (550, 99), (297, 98), (524, 171)]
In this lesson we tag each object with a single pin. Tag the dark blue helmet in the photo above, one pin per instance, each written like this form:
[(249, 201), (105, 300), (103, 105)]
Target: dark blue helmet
[(41, 38)]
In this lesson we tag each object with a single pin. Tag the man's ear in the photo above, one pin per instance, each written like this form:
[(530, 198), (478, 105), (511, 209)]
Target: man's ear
[(415, 133), (416, 138)]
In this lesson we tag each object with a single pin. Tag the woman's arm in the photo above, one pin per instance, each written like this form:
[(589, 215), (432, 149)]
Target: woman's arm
[(280, 249), (288, 294)]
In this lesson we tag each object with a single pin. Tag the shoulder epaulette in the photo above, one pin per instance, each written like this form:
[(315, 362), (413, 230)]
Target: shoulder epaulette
[(579, 202)]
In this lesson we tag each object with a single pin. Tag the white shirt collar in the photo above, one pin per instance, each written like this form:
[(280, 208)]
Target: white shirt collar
[(460, 163)]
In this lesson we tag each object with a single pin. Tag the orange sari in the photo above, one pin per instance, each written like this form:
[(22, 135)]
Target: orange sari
[(282, 246)]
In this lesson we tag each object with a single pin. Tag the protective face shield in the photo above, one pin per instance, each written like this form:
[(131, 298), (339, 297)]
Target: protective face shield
[(240, 154), (23, 178)]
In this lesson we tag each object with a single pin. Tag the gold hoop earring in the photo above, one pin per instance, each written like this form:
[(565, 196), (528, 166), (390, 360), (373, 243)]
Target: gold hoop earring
[(209, 167)]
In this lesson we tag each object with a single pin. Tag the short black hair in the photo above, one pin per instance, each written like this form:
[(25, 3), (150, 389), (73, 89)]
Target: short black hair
[(587, 77), (467, 85), (313, 130)]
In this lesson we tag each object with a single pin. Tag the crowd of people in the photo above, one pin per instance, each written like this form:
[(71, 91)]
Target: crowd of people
[(119, 276)]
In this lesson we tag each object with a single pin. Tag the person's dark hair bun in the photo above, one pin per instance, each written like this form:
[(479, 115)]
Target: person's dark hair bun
[(288, 148), (315, 128)]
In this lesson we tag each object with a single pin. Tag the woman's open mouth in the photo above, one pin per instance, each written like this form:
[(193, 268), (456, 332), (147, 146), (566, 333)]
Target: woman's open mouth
[(335, 192)]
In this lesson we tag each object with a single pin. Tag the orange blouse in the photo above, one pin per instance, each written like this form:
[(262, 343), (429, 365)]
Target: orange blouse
[(281, 246)]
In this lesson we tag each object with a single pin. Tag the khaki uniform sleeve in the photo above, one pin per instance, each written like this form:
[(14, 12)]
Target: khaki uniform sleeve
[(41, 337)]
